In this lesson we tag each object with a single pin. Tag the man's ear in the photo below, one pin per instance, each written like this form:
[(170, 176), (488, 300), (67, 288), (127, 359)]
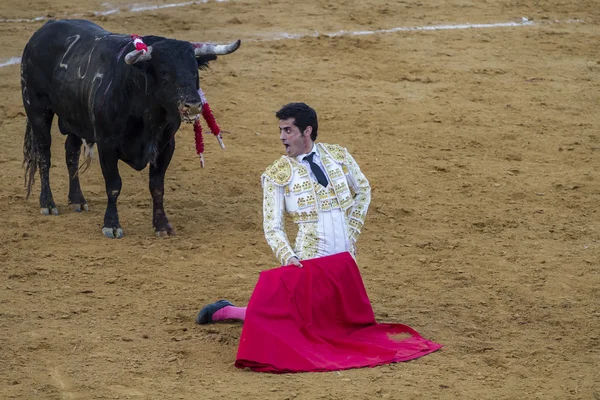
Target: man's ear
[(307, 131)]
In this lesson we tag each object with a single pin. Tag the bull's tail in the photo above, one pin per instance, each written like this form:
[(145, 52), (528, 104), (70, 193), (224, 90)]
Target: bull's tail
[(30, 158)]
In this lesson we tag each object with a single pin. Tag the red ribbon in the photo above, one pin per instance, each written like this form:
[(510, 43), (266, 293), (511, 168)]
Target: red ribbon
[(210, 119), (198, 137), (212, 124), (139, 44)]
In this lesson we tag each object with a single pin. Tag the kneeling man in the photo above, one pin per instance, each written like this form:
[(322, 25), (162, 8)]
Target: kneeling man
[(322, 188)]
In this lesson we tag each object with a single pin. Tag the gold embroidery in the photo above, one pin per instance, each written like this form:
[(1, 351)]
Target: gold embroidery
[(307, 242), (346, 202), (303, 186), (283, 252), (324, 193), (302, 202), (354, 223), (273, 223), (357, 214), (336, 174), (303, 216), (306, 185), (337, 152), (280, 171), (330, 204), (302, 171), (341, 187), (353, 235)]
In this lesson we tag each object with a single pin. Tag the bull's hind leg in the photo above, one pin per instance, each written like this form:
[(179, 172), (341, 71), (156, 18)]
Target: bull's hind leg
[(72, 151), (157, 190), (37, 154), (112, 180)]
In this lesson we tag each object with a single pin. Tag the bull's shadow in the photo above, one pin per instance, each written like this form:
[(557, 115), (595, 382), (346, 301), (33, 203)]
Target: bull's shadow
[(126, 95)]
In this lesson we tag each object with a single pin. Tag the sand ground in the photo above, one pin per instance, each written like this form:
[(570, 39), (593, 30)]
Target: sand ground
[(482, 148)]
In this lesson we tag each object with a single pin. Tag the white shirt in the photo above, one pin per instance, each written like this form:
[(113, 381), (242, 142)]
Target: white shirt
[(332, 231)]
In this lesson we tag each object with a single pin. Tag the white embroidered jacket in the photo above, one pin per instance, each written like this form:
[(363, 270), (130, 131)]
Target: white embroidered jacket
[(287, 187)]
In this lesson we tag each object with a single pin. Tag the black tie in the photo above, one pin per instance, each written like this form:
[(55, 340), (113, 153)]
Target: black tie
[(319, 174)]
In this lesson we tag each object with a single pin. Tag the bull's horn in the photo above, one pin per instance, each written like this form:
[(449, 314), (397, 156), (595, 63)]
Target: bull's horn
[(138, 55), (203, 49)]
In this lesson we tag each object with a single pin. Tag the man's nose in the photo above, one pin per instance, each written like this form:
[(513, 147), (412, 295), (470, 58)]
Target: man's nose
[(281, 135)]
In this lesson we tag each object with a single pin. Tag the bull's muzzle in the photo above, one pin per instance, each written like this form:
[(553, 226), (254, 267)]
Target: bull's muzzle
[(193, 108), (189, 110)]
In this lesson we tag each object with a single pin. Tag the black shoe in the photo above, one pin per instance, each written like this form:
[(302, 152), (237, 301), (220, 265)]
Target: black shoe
[(205, 315)]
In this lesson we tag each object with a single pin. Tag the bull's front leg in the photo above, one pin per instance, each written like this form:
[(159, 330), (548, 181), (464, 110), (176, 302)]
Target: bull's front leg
[(157, 190), (112, 180)]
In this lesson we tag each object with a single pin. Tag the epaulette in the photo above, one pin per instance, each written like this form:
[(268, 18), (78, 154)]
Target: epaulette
[(337, 152), (280, 172)]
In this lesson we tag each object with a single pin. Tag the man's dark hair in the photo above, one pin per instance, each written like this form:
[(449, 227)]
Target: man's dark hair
[(303, 116)]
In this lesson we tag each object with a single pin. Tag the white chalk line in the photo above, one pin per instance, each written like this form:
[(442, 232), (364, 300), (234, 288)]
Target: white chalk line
[(524, 22), (115, 11), (284, 35), (10, 61)]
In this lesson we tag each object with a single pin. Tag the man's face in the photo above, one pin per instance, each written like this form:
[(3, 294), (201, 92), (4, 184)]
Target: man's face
[(295, 141)]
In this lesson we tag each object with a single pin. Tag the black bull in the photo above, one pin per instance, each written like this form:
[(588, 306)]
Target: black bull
[(128, 102)]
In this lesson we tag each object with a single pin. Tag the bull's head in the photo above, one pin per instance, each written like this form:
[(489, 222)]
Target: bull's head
[(172, 67)]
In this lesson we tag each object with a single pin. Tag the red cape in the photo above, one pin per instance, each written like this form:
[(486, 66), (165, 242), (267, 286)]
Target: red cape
[(319, 318)]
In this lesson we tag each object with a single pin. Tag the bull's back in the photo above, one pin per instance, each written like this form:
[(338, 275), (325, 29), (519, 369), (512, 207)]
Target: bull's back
[(55, 47), (59, 69), (50, 43)]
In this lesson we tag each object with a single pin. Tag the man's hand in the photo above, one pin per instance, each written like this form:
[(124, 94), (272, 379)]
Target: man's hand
[(296, 262)]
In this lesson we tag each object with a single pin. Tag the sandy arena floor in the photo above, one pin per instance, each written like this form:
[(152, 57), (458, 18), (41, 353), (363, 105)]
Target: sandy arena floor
[(482, 148)]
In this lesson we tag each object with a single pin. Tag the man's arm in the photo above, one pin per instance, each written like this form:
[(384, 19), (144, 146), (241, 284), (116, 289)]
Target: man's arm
[(362, 198), (274, 222)]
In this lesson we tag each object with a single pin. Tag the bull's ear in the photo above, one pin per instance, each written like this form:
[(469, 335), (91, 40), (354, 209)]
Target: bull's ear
[(138, 55), (203, 60)]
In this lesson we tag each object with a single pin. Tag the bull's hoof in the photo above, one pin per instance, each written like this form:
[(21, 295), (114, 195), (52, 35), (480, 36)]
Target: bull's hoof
[(112, 233), (49, 210), (80, 207), (165, 232)]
